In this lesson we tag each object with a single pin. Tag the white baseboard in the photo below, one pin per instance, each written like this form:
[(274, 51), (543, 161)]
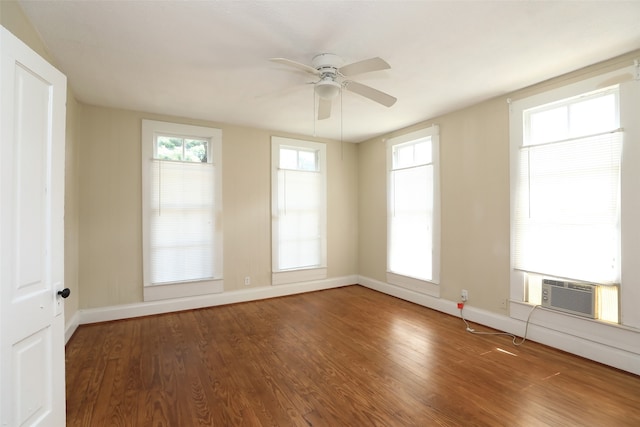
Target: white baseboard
[(125, 311), (618, 354)]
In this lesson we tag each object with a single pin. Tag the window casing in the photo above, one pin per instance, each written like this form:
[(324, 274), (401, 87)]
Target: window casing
[(574, 203), (298, 210), (413, 225), (182, 205)]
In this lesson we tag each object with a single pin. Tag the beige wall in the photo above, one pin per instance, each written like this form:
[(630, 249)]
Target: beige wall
[(12, 18), (111, 216), (474, 148)]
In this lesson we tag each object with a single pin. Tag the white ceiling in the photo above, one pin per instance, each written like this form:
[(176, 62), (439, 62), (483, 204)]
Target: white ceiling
[(209, 59)]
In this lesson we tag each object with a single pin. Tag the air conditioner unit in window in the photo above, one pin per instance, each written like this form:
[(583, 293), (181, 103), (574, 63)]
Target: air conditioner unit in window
[(570, 297)]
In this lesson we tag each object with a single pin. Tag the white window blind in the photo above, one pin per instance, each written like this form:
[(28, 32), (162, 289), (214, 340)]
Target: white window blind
[(299, 228), (299, 208), (567, 214), (182, 222)]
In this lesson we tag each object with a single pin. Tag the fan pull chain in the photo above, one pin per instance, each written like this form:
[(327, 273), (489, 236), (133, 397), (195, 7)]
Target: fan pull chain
[(313, 95), (341, 129)]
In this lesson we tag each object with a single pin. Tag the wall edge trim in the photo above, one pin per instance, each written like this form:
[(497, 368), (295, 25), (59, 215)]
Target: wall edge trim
[(71, 326)]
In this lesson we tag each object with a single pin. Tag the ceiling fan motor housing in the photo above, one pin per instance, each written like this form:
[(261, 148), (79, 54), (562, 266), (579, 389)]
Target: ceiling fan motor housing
[(327, 60)]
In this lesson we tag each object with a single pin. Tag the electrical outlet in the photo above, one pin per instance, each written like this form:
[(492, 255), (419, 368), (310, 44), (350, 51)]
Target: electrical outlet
[(464, 295), (247, 280)]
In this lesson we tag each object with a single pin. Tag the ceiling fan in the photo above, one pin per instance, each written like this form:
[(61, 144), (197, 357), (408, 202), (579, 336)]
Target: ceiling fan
[(330, 70)]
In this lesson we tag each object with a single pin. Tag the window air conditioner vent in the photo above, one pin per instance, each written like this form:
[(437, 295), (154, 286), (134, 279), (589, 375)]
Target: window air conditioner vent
[(570, 297)]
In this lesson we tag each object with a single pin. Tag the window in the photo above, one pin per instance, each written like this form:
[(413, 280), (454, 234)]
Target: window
[(299, 210), (182, 239), (567, 216), (413, 211), (574, 207)]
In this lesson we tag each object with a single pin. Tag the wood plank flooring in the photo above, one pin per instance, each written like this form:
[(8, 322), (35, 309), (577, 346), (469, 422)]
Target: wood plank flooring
[(342, 357)]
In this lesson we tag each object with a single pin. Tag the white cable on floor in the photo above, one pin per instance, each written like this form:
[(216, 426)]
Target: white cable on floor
[(515, 338)]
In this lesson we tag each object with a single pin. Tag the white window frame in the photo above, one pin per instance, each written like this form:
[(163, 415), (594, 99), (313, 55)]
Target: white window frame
[(542, 225), (629, 96), (151, 129), (430, 287), (302, 274)]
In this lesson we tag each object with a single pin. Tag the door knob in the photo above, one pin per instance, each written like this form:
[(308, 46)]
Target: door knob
[(64, 293)]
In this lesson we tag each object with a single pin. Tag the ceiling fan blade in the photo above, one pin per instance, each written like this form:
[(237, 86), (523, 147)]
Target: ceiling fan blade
[(371, 93), (324, 108), (372, 64), (294, 64)]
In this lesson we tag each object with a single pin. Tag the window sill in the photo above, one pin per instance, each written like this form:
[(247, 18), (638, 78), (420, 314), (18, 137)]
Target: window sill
[(183, 289), (295, 276), (611, 334), (417, 285)]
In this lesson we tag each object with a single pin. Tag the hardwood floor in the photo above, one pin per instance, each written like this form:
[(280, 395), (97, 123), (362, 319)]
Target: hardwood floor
[(342, 357)]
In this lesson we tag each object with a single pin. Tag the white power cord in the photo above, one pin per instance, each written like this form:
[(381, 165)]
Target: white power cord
[(514, 337)]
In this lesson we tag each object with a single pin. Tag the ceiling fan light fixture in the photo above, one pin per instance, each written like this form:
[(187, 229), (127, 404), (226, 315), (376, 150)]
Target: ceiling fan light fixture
[(327, 89)]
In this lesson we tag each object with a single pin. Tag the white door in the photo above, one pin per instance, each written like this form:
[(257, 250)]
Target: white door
[(32, 134)]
